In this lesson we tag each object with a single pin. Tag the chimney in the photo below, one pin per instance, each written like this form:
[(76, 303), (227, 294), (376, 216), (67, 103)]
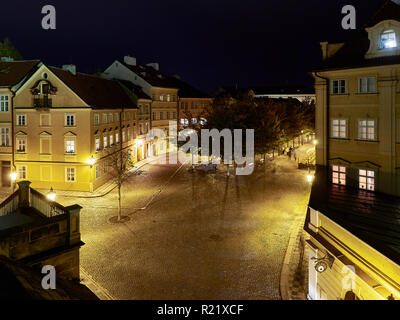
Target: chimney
[(70, 67), (130, 60), (154, 65)]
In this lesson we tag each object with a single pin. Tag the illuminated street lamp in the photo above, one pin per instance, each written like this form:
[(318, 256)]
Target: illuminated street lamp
[(51, 195), (91, 161), (13, 177), (315, 142), (310, 177)]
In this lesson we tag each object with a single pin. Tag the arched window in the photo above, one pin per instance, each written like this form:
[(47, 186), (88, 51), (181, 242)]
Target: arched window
[(388, 39)]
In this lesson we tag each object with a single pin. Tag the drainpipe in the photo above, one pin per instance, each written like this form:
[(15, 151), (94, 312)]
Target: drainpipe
[(12, 130), (327, 84)]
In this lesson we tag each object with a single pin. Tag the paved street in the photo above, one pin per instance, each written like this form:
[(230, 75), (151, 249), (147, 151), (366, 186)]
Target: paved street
[(204, 236)]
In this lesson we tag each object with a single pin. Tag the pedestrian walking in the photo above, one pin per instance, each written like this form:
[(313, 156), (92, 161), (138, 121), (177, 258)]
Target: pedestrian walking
[(289, 154)]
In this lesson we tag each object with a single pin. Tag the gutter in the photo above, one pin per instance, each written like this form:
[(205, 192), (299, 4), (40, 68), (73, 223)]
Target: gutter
[(327, 84)]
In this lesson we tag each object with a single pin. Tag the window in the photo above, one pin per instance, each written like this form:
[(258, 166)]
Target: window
[(116, 138), (21, 145), (388, 40), (110, 118), (186, 105), (367, 85), (338, 86), (21, 172), (128, 116), (70, 120), (104, 118), (168, 97), (5, 137), (97, 144), (367, 129), (161, 115), (116, 116), (194, 120), (105, 142), (45, 120), (96, 119), (339, 175), (192, 105), (105, 167), (21, 120), (167, 115), (97, 171), (174, 115), (129, 134), (153, 97), (174, 98), (123, 136), (111, 139), (4, 102), (184, 122), (161, 97), (367, 180), (70, 175), (70, 146), (339, 128), (154, 116), (182, 105)]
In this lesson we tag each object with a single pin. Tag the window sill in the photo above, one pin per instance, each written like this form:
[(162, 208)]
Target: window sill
[(70, 153), (367, 93), (340, 94), (339, 139), (362, 140)]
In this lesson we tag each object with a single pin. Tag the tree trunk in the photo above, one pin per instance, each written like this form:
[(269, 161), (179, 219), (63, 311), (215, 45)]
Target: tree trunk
[(119, 203)]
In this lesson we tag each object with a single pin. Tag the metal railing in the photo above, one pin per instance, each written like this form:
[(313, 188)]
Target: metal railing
[(10, 205), (45, 206)]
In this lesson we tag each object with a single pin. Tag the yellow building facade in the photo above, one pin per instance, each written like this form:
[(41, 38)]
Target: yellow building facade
[(352, 220), (61, 120)]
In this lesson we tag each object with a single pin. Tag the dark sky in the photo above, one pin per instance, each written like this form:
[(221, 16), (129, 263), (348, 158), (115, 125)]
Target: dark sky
[(208, 42)]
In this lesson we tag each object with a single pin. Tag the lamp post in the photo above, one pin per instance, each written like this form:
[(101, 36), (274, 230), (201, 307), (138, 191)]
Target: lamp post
[(13, 177), (91, 162), (51, 195)]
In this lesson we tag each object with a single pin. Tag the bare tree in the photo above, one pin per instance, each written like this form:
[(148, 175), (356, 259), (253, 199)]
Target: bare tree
[(119, 164)]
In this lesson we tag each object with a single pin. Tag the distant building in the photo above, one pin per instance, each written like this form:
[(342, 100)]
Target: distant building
[(35, 232), (299, 93), (353, 215)]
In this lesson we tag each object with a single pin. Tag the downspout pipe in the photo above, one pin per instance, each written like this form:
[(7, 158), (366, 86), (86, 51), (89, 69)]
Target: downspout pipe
[(327, 84), (12, 131)]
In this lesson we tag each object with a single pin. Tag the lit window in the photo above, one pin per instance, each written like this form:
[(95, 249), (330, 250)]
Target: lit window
[(97, 171), (70, 175), (168, 97), (105, 142), (367, 85), (339, 175), (123, 136), (116, 117), (104, 118), (21, 145), (5, 137), (21, 120), (367, 180), (69, 120), (70, 146), (338, 86), (116, 138), (388, 40), (111, 140), (97, 144), (110, 118), (184, 122), (22, 172), (96, 119), (194, 120), (366, 130), (4, 102), (339, 128)]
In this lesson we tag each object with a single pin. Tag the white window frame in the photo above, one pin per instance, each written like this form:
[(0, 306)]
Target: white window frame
[(24, 169), (105, 118), (4, 102), (340, 124), (72, 170), (367, 136), (70, 146), (388, 32), (367, 179), (105, 142), (5, 136), (68, 118), (97, 171), (339, 92), (18, 144), (96, 119), (97, 143), (368, 87), (21, 120), (111, 140)]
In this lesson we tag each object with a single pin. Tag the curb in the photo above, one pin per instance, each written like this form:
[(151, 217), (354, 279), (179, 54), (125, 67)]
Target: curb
[(93, 286), (295, 231)]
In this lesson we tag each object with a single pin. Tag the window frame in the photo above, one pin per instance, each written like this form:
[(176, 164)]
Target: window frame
[(339, 92), (73, 116), (339, 174), (368, 179), (359, 137), (4, 103), (67, 177), (368, 91), (346, 126), (19, 116)]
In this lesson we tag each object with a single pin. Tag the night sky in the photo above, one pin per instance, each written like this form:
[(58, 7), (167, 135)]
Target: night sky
[(209, 43)]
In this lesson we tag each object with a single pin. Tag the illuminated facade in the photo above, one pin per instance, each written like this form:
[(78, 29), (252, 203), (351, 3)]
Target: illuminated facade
[(353, 220)]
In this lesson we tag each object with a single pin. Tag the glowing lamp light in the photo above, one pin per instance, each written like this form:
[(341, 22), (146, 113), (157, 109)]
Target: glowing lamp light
[(92, 161), (51, 195), (315, 142), (13, 176), (139, 142), (390, 44), (310, 178)]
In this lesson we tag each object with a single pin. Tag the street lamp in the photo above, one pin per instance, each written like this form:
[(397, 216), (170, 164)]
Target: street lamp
[(310, 178), (13, 177), (51, 195), (91, 161), (315, 142)]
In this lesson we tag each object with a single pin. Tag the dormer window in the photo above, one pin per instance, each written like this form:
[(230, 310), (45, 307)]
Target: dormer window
[(388, 40)]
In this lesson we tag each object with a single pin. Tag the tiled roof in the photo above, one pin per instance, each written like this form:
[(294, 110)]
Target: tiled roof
[(11, 73), (99, 93), (151, 75), (370, 216), (352, 54), (137, 90)]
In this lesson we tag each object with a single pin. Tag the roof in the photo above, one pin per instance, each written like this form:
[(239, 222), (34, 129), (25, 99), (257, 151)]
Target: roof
[(151, 75), (137, 90), (99, 93), (283, 90), (12, 72), (352, 54), (372, 217)]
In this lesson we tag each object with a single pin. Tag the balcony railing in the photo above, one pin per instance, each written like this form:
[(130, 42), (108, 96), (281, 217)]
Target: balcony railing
[(42, 102), (10, 205), (44, 206)]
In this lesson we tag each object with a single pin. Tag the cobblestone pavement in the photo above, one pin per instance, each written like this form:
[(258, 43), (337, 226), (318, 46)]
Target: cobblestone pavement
[(204, 236)]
